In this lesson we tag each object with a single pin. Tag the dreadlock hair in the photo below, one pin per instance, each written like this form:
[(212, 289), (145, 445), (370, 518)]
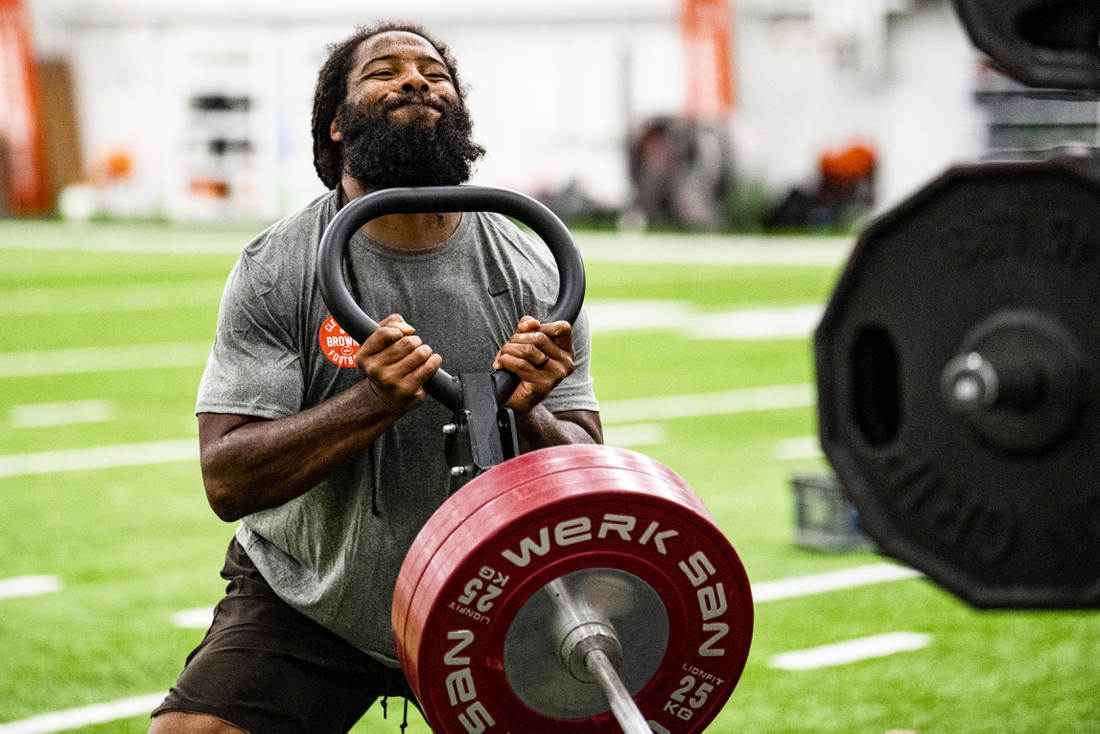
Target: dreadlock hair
[(332, 90)]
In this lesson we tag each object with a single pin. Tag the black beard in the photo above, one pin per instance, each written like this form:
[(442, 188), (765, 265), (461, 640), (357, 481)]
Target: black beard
[(380, 153)]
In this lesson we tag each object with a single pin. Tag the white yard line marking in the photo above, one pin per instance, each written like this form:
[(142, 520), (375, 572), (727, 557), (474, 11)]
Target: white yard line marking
[(29, 586), (61, 414), (99, 713), (746, 400), (848, 578), (171, 239), (636, 434), (103, 359), (114, 298), (777, 322), (794, 322), (790, 449), (851, 651), (714, 249), (100, 457), (197, 619), (619, 316)]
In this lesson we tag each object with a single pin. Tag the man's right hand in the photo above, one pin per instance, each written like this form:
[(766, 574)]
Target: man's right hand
[(397, 364)]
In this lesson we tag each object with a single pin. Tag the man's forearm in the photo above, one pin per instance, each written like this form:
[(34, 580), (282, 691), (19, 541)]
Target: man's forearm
[(260, 464), (539, 428)]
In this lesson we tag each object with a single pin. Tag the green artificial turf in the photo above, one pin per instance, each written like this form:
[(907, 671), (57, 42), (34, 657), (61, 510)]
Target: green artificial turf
[(136, 544)]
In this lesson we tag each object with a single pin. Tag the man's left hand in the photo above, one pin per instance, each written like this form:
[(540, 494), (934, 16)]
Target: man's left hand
[(541, 355)]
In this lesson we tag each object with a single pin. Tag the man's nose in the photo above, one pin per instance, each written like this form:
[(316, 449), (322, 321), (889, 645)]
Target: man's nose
[(414, 81)]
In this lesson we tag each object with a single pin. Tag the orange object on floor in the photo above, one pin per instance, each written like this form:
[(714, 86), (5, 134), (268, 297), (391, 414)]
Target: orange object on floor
[(849, 165)]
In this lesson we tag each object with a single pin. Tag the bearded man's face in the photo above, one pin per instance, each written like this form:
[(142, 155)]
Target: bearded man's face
[(404, 123), (380, 151)]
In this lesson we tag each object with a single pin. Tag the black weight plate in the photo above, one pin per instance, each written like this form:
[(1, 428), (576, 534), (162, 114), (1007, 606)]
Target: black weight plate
[(1042, 43), (999, 529)]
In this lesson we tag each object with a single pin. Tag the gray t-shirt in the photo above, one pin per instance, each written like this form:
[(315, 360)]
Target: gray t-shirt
[(334, 553)]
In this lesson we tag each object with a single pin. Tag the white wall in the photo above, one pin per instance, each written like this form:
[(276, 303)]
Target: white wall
[(930, 119), (552, 100), (803, 93), (117, 78), (554, 86)]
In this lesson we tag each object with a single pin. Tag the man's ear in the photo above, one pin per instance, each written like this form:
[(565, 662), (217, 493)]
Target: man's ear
[(334, 132)]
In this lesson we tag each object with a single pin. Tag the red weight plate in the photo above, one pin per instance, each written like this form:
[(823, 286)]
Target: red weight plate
[(503, 478), (698, 625), (507, 503), (495, 516), (529, 467), (571, 520)]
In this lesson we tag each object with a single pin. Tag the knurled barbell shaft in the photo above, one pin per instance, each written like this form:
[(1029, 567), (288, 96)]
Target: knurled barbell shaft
[(597, 638)]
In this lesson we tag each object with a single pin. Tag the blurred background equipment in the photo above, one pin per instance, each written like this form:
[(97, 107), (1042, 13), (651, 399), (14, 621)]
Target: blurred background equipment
[(824, 519), (682, 170), (1020, 119), (845, 192), (1038, 87), (219, 153), (681, 167), (771, 83), (23, 153)]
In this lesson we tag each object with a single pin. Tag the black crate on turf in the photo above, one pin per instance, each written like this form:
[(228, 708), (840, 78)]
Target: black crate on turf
[(823, 518)]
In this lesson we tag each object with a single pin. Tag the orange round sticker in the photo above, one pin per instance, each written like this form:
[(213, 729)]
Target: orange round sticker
[(337, 345)]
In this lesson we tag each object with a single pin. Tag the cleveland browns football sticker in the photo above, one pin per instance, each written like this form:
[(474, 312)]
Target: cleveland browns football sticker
[(337, 345)]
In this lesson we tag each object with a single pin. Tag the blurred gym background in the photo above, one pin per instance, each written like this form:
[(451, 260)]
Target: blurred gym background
[(699, 115)]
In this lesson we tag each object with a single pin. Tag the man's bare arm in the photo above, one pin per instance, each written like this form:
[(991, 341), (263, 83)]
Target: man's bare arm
[(539, 428), (541, 355), (251, 464)]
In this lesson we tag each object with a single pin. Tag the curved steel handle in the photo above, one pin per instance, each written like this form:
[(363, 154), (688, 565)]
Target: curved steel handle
[(429, 199)]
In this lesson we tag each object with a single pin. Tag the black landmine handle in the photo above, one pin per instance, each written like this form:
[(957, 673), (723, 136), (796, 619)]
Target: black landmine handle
[(443, 387)]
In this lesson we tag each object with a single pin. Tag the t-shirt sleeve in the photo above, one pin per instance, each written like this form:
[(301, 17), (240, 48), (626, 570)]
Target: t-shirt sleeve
[(254, 366), (575, 392)]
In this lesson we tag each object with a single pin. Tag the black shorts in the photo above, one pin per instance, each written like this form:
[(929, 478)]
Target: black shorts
[(266, 667)]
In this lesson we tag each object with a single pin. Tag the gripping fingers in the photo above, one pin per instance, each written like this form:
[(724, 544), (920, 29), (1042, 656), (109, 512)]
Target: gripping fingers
[(397, 363), (536, 348), (550, 372), (559, 332), (531, 355), (397, 371)]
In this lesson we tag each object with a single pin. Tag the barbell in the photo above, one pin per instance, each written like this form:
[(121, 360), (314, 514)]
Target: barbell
[(564, 588)]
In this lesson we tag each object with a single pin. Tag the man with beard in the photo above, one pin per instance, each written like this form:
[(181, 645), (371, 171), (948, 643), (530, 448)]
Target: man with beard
[(327, 451)]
